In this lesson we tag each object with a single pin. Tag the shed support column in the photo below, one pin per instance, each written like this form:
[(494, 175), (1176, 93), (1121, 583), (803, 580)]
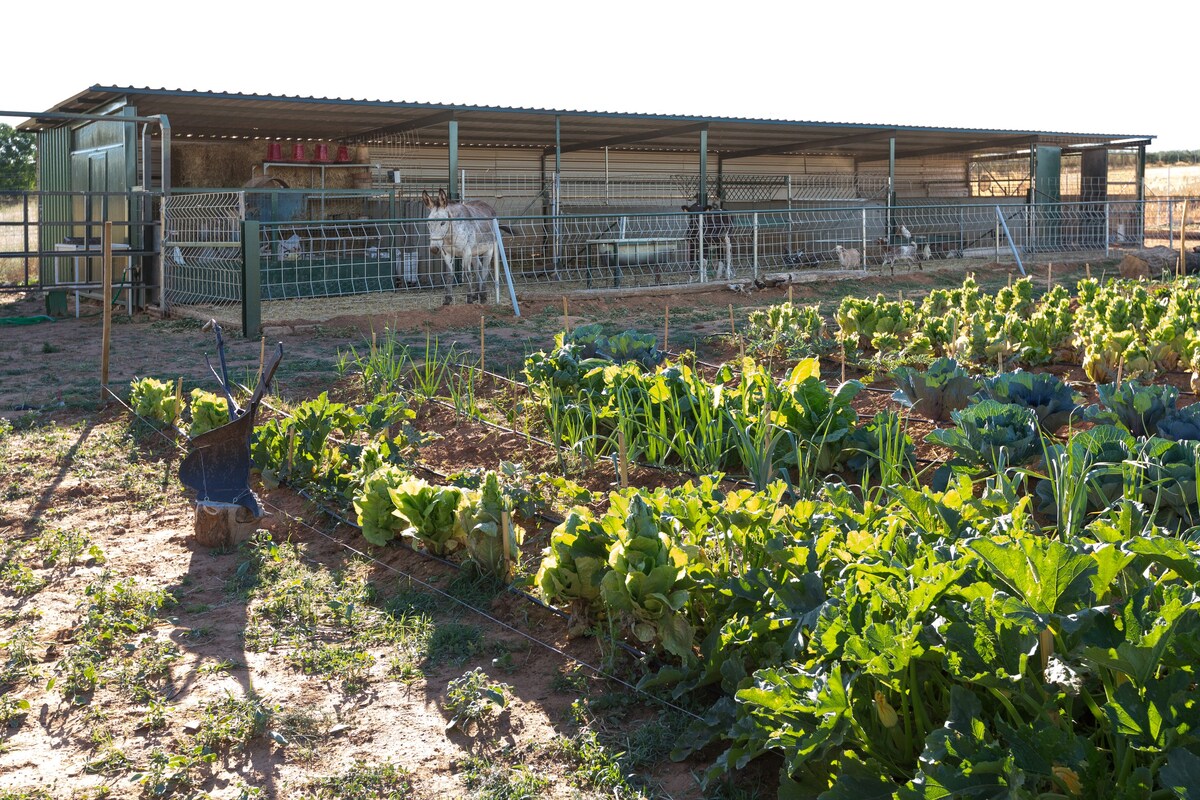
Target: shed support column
[(556, 200), (453, 142), (891, 193), (1141, 194), (720, 181), (702, 195)]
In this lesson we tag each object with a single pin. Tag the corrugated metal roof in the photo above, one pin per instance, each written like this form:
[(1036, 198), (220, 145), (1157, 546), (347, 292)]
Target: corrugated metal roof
[(212, 114)]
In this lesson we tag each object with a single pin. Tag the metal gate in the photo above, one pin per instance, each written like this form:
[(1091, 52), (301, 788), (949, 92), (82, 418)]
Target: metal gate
[(202, 248)]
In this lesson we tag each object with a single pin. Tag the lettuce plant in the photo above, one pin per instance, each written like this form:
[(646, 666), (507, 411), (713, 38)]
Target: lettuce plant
[(481, 520), (574, 563), (647, 584), (374, 507), (209, 411), (154, 400), (429, 514)]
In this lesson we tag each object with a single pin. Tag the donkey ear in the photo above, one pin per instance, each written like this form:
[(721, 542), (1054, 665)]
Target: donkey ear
[(443, 198)]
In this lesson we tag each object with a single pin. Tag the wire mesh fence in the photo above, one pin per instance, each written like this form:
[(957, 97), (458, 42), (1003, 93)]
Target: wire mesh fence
[(202, 248), (603, 251)]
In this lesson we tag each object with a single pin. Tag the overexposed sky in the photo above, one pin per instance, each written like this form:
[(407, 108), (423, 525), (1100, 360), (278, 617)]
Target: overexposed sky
[(1051, 66)]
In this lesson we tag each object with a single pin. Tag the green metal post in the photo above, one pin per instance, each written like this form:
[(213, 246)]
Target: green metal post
[(453, 140), (702, 195), (891, 194), (1141, 193), (251, 278), (720, 180)]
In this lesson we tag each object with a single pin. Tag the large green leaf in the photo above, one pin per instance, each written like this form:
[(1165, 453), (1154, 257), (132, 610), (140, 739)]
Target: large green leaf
[(1181, 774), (1049, 576), (859, 780)]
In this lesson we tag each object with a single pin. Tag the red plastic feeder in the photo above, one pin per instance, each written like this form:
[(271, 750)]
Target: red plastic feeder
[(322, 154), (274, 151), (343, 154), (298, 151)]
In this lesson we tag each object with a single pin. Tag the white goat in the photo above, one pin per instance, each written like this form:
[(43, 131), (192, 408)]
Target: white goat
[(848, 257)]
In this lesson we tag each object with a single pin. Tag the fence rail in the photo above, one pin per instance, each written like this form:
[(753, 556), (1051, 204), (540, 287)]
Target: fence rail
[(203, 254)]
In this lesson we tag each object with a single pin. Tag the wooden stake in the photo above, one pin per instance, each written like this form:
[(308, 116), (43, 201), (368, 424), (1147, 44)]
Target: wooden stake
[(506, 532), (1120, 369), (622, 460), (666, 328), (106, 300), (789, 294), (481, 344), (178, 399), (1088, 269), (732, 327), (999, 362), (1010, 279), (262, 355), (1049, 275), (843, 361), (566, 318)]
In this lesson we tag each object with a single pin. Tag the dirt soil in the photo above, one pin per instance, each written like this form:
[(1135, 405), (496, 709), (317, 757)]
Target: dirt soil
[(72, 467)]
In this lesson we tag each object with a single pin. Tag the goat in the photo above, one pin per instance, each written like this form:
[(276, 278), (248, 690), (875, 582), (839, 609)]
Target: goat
[(848, 257), (892, 254), (709, 231)]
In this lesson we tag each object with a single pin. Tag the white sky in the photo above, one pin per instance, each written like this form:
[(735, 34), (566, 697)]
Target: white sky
[(1051, 66)]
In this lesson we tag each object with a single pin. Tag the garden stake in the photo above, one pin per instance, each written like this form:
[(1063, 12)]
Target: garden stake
[(566, 320), (178, 399), (481, 342), (506, 532), (262, 354), (843, 361), (1120, 369), (1010, 279), (1049, 275), (106, 300), (622, 460), (789, 293), (1088, 267)]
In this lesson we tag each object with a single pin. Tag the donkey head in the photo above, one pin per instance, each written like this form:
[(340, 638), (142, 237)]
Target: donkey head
[(439, 219)]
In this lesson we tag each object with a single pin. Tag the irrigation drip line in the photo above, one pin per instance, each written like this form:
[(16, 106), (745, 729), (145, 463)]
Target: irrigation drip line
[(532, 639), (412, 578)]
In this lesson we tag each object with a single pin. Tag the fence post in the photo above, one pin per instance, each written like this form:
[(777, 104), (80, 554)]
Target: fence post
[(251, 279), (700, 243), (997, 237), (756, 245), (864, 238), (1170, 223), (25, 228), (1107, 228)]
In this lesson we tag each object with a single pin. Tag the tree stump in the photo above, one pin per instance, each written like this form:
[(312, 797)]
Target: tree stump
[(222, 525)]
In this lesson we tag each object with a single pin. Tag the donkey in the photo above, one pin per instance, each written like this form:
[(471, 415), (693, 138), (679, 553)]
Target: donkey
[(461, 230), (718, 228)]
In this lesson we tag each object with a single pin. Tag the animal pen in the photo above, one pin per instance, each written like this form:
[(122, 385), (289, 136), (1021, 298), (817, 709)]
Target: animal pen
[(250, 205)]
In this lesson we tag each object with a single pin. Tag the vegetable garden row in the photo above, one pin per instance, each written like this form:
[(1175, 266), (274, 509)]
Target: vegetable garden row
[(1006, 608)]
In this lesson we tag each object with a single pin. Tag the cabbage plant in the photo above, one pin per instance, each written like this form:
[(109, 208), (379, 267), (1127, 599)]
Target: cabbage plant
[(1052, 401), (935, 391)]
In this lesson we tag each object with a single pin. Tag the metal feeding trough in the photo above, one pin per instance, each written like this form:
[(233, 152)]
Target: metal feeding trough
[(218, 467)]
